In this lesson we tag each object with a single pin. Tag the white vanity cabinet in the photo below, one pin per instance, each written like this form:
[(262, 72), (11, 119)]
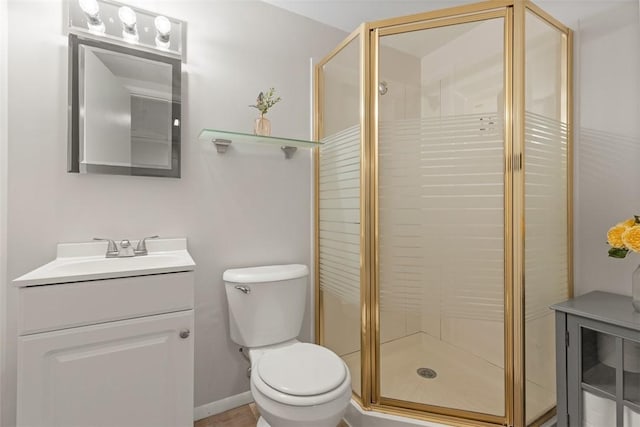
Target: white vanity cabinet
[(110, 352)]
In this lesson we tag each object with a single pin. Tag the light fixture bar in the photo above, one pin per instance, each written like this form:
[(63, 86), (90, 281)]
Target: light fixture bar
[(128, 26)]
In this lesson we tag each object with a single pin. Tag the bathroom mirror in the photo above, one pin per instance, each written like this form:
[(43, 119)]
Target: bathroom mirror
[(124, 110)]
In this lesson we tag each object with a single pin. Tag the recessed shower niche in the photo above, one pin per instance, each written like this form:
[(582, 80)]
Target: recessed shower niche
[(444, 210)]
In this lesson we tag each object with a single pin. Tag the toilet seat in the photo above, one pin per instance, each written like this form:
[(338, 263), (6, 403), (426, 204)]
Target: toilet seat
[(301, 374), (302, 369)]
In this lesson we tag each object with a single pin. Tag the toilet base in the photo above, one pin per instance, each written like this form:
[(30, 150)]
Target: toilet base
[(262, 423)]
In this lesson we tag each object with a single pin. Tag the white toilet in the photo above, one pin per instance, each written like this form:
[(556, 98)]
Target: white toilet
[(293, 383)]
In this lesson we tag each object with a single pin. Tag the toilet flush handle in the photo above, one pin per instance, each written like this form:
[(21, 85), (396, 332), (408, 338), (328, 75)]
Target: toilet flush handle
[(244, 289)]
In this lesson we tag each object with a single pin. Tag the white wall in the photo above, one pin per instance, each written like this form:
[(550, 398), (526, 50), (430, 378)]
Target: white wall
[(246, 207), (3, 191), (607, 146)]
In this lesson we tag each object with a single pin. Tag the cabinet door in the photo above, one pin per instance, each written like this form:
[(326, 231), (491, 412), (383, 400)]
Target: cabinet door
[(631, 382), (604, 374), (598, 377), (135, 373)]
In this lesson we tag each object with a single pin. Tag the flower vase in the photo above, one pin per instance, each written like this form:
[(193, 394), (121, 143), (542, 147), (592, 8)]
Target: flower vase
[(262, 126), (635, 288)]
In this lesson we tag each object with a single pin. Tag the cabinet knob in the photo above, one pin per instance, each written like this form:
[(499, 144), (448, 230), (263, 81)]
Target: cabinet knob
[(184, 333)]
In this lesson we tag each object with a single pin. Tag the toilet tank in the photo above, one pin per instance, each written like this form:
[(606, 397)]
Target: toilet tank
[(266, 304)]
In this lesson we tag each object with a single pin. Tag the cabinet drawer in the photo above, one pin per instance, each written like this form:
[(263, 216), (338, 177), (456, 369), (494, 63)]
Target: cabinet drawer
[(52, 307)]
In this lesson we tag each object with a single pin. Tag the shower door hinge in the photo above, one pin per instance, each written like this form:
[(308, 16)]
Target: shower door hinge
[(566, 339)]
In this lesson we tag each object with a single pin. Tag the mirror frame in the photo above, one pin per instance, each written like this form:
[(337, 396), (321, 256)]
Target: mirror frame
[(73, 155)]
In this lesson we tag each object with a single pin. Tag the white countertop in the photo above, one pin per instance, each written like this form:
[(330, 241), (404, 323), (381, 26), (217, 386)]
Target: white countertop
[(79, 262)]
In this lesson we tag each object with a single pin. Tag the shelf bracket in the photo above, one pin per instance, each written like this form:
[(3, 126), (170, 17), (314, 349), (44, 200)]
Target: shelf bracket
[(221, 144), (288, 151)]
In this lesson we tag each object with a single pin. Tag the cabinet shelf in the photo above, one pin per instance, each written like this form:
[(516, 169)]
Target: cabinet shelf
[(222, 139), (601, 377), (601, 380), (598, 392)]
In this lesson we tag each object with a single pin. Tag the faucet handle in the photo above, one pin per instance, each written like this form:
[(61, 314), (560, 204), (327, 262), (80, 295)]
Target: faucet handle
[(141, 247), (112, 248)]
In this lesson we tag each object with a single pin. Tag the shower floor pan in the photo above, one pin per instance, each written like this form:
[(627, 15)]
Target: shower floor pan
[(464, 380)]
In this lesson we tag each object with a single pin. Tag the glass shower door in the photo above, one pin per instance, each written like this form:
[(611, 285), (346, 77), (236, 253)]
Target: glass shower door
[(441, 215), (546, 198), (338, 198)]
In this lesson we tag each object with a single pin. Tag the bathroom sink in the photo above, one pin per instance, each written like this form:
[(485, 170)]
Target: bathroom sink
[(80, 262), (68, 267)]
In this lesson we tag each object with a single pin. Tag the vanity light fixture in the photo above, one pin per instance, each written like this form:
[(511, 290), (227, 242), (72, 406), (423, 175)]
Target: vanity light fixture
[(128, 18), (91, 10), (163, 31), (111, 21)]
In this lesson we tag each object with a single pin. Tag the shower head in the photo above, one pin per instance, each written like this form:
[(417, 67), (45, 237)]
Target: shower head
[(382, 88)]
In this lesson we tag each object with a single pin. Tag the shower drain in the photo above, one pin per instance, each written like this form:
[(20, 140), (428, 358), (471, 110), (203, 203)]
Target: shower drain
[(427, 373)]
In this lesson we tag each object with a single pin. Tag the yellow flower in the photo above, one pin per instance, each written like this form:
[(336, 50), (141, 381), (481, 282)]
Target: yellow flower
[(631, 238), (628, 223), (614, 235)]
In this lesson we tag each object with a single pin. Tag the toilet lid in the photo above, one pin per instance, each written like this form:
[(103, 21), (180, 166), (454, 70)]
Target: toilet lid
[(302, 370)]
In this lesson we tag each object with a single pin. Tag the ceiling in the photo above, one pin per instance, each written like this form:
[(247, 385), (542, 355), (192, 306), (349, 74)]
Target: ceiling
[(348, 14)]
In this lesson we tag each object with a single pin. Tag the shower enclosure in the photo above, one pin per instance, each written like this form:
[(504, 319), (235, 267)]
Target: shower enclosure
[(443, 227)]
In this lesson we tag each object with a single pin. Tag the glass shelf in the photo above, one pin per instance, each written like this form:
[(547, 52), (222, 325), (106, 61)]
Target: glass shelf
[(222, 139)]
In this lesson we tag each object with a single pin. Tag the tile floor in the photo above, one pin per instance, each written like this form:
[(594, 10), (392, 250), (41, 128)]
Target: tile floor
[(243, 416)]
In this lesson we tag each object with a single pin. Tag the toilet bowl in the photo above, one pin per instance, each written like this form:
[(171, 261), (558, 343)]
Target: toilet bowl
[(299, 384), (293, 383)]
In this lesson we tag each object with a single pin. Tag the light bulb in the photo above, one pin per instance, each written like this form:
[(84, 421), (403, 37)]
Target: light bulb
[(127, 16), (163, 26), (92, 11), (89, 7), (163, 32)]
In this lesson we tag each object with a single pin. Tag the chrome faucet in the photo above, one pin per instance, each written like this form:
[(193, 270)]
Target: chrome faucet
[(141, 247), (112, 248), (124, 249)]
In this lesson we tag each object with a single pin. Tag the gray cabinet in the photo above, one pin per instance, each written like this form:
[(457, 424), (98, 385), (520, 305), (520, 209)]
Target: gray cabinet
[(598, 361)]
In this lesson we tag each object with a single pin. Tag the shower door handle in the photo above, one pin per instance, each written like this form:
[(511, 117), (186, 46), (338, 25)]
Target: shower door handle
[(517, 162)]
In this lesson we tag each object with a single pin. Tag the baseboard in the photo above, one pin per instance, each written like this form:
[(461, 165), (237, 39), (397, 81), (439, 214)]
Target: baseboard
[(222, 405)]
